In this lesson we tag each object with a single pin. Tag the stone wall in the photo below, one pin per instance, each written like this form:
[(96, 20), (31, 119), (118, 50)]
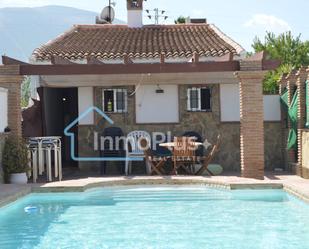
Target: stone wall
[(2, 140), (305, 154), (273, 150), (208, 124)]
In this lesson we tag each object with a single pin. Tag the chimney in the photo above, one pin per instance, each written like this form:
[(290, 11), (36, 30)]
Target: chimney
[(196, 20), (135, 13)]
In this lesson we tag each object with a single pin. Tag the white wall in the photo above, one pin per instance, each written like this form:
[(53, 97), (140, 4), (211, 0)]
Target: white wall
[(272, 111), (152, 107), (3, 109), (230, 104), (85, 101)]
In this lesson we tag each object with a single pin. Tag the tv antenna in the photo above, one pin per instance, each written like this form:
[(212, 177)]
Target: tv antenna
[(107, 15), (156, 14)]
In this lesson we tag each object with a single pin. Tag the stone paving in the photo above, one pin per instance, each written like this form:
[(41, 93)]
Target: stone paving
[(10, 193), (291, 183)]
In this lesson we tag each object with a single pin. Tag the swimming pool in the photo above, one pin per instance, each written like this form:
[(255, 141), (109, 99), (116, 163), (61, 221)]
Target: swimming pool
[(156, 217)]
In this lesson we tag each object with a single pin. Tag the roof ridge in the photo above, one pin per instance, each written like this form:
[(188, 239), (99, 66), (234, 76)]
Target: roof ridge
[(94, 26), (239, 49), (100, 25)]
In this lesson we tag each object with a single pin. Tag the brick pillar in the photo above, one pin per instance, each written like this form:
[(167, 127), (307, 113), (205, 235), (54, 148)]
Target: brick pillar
[(284, 117), (301, 118), (307, 96), (10, 80), (282, 84), (252, 124)]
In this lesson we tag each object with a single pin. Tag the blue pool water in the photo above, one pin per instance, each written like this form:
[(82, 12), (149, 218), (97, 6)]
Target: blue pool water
[(156, 217)]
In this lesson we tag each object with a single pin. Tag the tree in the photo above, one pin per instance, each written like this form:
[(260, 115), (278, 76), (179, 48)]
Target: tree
[(25, 92), (290, 50), (180, 20)]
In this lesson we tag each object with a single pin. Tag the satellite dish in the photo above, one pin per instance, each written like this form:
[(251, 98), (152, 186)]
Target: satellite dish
[(107, 15)]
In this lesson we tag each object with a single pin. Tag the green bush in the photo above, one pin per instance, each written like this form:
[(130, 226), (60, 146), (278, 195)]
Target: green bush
[(15, 156), (289, 49), (25, 92), (180, 20)]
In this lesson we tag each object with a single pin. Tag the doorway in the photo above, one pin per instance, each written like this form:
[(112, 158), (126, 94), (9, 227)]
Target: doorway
[(60, 108)]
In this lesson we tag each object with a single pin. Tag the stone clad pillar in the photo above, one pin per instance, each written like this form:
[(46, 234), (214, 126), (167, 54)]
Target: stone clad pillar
[(11, 80), (252, 123)]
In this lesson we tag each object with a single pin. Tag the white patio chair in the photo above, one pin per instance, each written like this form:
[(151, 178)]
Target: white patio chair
[(40, 153), (50, 145), (33, 163), (134, 150)]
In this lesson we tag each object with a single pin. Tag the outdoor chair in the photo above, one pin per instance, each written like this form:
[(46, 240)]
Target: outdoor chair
[(154, 162), (134, 148), (183, 154), (200, 150), (207, 159), (113, 146), (40, 150), (158, 150)]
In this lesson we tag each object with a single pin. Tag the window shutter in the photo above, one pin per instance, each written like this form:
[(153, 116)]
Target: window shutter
[(121, 99), (194, 99), (205, 99), (199, 99), (125, 100), (115, 100), (189, 99)]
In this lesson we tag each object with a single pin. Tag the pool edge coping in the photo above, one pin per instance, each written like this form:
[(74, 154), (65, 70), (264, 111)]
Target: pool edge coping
[(15, 196), (294, 191)]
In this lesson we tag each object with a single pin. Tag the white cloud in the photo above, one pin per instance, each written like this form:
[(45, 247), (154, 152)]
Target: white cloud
[(268, 23)]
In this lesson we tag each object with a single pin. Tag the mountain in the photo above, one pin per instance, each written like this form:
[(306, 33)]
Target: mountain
[(24, 29)]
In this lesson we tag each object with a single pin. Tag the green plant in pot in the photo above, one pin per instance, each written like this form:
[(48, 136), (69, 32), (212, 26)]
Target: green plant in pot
[(15, 160)]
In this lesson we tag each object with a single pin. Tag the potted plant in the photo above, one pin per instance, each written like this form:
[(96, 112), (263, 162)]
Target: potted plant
[(15, 160)]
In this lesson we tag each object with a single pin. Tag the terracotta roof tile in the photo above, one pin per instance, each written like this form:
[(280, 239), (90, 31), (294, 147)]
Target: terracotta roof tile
[(114, 41)]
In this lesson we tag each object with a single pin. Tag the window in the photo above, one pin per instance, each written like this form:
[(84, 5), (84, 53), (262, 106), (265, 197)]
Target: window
[(199, 99), (115, 100)]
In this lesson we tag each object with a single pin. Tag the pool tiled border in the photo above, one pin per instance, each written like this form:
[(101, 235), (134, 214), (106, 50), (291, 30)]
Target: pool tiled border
[(296, 186)]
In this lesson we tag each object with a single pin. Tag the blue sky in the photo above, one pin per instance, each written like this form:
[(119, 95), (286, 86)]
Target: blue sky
[(240, 19)]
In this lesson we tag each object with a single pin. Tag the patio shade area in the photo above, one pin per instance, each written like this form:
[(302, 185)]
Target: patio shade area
[(248, 70)]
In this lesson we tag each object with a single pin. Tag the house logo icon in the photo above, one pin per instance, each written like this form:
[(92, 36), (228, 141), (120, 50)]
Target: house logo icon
[(71, 135)]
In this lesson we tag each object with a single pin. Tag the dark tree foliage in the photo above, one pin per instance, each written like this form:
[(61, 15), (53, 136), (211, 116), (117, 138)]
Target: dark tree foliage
[(290, 50), (180, 20)]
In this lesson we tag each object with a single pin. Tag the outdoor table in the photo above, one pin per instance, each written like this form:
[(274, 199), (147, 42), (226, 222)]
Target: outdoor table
[(171, 146)]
